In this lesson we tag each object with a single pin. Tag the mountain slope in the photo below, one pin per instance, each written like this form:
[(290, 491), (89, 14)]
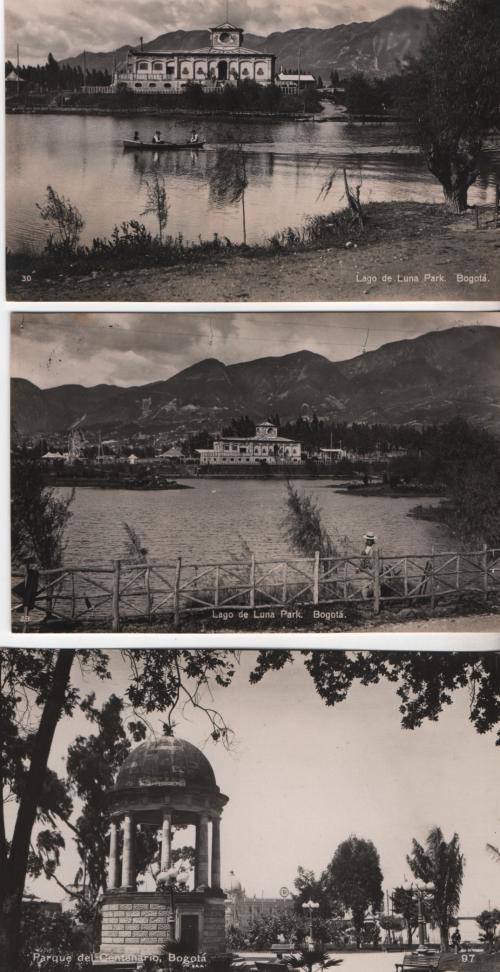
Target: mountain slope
[(377, 48), (431, 378)]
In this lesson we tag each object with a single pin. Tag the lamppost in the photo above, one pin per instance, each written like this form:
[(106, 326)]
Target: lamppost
[(310, 906), (418, 891), (175, 879)]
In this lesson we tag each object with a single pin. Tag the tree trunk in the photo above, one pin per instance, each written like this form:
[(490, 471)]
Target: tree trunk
[(13, 879), (456, 199)]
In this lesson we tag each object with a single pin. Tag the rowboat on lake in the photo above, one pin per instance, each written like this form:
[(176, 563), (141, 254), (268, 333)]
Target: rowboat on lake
[(132, 143)]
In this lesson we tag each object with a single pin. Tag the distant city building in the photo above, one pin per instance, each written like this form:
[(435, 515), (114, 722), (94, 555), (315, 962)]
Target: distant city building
[(294, 81), (242, 911), (225, 61), (332, 455), (266, 446)]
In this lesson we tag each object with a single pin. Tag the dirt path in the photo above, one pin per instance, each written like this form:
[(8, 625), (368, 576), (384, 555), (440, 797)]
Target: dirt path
[(404, 243)]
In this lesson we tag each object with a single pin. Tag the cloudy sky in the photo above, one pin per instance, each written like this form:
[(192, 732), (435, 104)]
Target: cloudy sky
[(66, 27), (302, 777), (134, 349)]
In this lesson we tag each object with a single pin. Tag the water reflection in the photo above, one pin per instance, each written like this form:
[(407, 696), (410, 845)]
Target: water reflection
[(287, 164)]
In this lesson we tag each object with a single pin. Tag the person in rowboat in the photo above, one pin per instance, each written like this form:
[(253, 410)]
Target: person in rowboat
[(195, 138), (156, 137), (136, 137)]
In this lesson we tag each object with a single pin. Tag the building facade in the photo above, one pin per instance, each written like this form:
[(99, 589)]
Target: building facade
[(225, 61), (241, 911), (266, 446)]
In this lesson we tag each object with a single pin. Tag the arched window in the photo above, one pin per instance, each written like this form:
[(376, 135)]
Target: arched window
[(167, 84), (157, 66), (138, 84), (152, 85), (142, 66)]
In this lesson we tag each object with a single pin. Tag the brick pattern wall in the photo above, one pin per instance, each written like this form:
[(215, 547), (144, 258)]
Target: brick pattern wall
[(134, 923), (143, 922)]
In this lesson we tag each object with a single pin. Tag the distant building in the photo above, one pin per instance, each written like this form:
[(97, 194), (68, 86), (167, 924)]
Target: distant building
[(291, 83), (332, 455), (225, 61), (266, 446), (14, 84), (242, 911)]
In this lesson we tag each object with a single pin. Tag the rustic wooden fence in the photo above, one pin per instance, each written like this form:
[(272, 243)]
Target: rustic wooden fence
[(149, 592)]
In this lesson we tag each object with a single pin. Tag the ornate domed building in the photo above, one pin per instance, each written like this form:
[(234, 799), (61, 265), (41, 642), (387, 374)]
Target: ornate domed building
[(162, 785)]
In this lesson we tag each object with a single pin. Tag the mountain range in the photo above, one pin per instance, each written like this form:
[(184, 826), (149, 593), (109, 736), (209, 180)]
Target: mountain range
[(431, 378), (378, 48)]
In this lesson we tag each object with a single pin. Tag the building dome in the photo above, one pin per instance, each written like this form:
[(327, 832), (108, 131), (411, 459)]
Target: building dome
[(166, 760)]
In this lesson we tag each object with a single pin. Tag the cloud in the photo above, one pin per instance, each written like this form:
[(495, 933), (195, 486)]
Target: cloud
[(136, 349), (66, 27)]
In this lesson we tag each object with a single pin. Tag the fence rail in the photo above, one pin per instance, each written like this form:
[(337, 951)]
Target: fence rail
[(125, 591)]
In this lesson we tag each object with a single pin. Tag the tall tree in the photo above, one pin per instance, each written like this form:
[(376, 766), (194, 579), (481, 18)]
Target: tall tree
[(354, 877), (452, 93), (441, 863)]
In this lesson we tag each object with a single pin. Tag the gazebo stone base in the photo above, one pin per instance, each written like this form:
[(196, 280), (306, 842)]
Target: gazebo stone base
[(136, 922)]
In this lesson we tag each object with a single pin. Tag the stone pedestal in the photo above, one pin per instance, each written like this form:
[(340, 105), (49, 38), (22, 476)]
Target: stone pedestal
[(136, 922)]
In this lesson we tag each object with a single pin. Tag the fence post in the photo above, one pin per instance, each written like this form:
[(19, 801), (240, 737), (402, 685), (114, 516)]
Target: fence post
[(316, 578), (284, 591), (433, 579), (115, 601), (376, 582), (147, 582), (252, 581), (177, 584), (485, 572)]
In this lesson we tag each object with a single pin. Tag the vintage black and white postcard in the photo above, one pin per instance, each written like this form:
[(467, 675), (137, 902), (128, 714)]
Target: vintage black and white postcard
[(179, 785), (253, 151), (255, 472)]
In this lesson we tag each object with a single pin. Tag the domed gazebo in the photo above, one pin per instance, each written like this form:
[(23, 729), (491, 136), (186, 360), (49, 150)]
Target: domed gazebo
[(164, 783)]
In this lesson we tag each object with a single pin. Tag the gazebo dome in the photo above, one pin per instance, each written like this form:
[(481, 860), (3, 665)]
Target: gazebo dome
[(165, 760)]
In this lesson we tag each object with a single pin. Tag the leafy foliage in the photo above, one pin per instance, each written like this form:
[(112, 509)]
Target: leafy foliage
[(488, 922), (303, 527), (39, 517), (441, 863), (66, 221), (91, 765), (354, 878), (452, 93)]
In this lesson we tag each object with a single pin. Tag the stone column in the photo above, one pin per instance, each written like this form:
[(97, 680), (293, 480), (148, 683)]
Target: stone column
[(202, 876), (166, 841), (128, 868), (114, 857), (215, 882)]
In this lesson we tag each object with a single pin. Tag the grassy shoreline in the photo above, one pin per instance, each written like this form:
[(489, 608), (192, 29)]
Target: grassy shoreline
[(405, 251)]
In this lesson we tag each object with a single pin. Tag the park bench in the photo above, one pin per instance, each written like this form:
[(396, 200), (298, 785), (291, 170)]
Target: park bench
[(424, 962)]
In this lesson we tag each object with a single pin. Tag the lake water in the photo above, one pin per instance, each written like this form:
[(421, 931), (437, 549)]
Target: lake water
[(82, 157), (217, 521)]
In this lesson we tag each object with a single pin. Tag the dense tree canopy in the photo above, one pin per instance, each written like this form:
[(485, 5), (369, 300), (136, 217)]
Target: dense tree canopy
[(354, 877)]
